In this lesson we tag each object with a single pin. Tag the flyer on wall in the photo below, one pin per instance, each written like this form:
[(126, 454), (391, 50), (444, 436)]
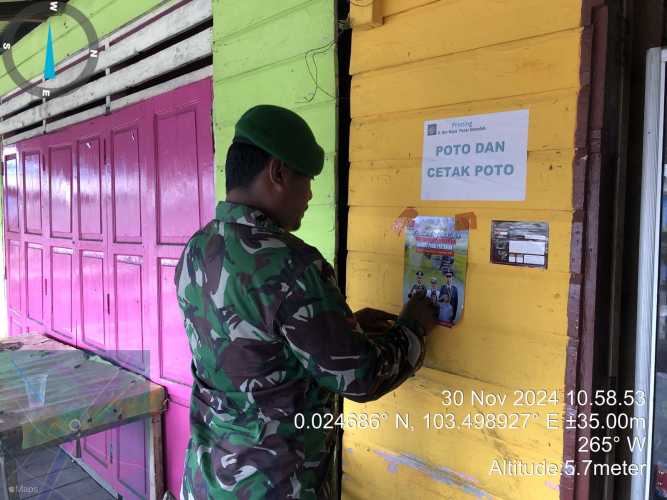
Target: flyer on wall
[(436, 260)]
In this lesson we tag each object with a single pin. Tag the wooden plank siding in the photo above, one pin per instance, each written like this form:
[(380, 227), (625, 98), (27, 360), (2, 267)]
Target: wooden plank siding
[(168, 26), (106, 16), (169, 59), (262, 52), (442, 59)]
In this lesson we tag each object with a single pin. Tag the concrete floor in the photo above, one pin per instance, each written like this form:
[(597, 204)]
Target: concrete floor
[(50, 474)]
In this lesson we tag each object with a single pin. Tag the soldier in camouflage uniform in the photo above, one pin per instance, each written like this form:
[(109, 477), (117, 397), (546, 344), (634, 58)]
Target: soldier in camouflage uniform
[(271, 334)]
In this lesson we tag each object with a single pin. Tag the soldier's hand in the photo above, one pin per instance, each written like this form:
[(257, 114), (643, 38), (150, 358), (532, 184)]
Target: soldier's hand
[(422, 310), (374, 320)]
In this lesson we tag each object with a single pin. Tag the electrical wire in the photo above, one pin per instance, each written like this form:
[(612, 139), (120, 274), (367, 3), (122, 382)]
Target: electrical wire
[(315, 77), (314, 71)]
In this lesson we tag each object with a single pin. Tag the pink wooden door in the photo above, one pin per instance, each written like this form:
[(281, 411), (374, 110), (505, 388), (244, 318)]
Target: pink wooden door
[(13, 241), (90, 268), (35, 236), (131, 460), (96, 451), (182, 202), (34, 250), (92, 244), (128, 220), (93, 296), (127, 247), (61, 222), (13, 192)]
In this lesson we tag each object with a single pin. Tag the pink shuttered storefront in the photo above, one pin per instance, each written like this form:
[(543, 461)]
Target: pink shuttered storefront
[(96, 217)]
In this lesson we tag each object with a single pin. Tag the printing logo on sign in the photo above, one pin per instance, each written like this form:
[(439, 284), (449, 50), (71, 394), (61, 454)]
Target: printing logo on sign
[(432, 129)]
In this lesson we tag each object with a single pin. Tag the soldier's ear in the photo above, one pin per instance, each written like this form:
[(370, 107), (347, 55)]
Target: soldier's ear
[(277, 172)]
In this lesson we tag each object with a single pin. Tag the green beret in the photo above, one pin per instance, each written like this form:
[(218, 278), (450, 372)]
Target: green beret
[(283, 134)]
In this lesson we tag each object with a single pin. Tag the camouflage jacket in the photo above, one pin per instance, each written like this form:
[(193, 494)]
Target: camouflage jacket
[(272, 337)]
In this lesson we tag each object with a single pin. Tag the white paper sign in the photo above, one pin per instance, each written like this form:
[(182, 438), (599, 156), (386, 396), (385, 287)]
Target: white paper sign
[(480, 157), (534, 247), (534, 259)]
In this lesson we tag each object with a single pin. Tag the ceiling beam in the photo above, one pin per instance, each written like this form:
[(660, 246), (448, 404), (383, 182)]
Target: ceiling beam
[(9, 10)]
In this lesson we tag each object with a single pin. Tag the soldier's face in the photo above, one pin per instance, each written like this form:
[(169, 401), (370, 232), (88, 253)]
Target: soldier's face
[(295, 201), (285, 194)]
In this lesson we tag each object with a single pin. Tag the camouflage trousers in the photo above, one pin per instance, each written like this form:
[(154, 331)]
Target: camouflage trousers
[(198, 485)]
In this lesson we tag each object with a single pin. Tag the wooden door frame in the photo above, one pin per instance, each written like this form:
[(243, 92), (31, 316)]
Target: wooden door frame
[(602, 298), (4, 309), (595, 217)]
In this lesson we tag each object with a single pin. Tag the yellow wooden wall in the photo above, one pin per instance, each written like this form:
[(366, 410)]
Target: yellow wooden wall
[(440, 59)]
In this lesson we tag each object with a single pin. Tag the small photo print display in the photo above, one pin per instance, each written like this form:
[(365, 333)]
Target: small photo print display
[(520, 243), (436, 262)]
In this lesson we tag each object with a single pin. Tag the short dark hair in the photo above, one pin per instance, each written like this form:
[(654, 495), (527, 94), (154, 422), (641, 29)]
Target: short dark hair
[(244, 163)]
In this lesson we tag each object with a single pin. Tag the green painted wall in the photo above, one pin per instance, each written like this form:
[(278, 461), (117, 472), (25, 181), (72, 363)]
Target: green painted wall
[(262, 52)]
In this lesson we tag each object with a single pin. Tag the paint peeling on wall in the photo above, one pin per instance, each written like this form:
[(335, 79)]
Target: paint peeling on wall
[(551, 485), (440, 474)]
